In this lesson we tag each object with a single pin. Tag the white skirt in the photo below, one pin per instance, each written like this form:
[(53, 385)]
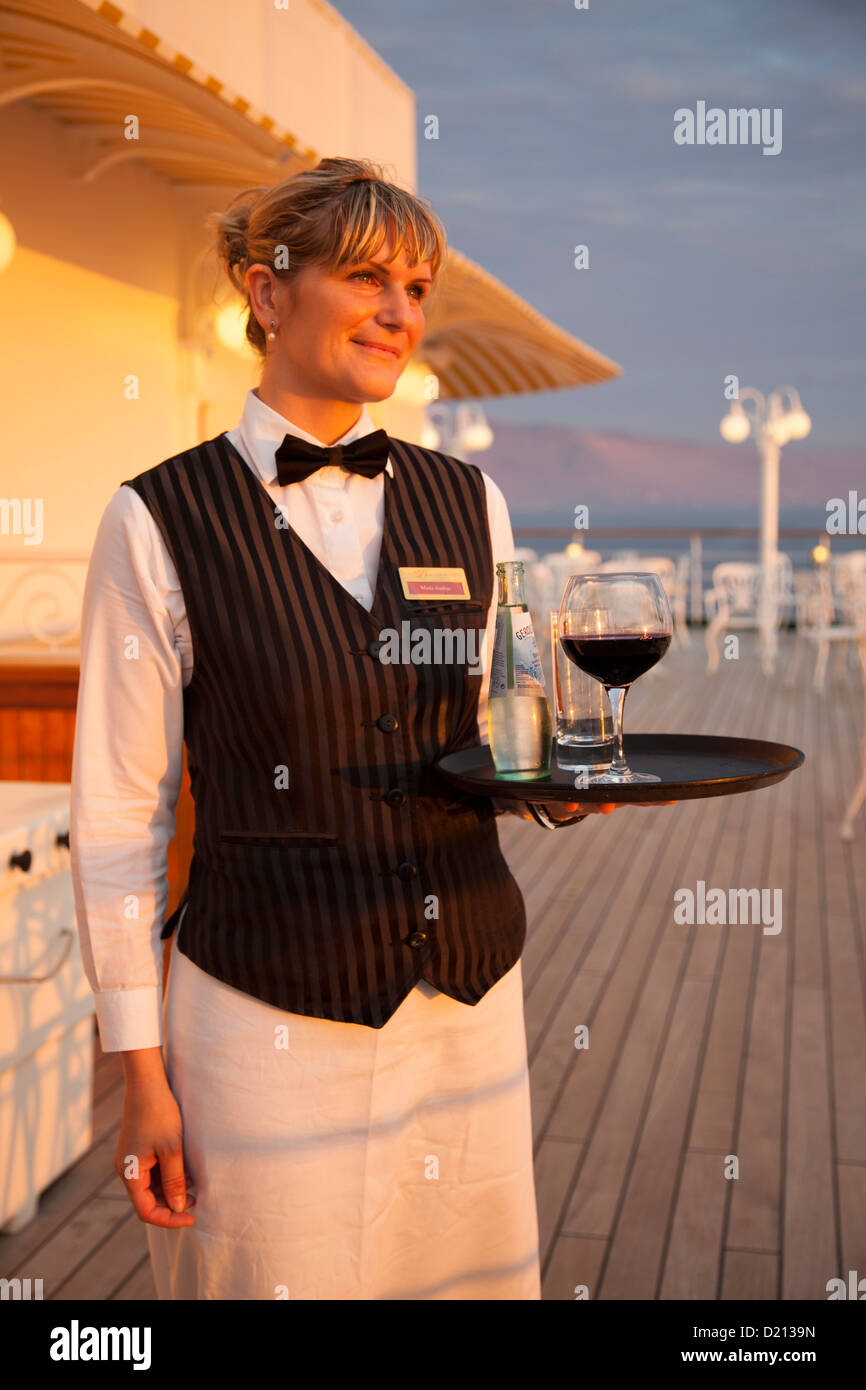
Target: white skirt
[(334, 1161)]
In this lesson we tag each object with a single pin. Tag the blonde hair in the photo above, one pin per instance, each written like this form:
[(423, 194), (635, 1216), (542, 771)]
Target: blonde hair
[(336, 214)]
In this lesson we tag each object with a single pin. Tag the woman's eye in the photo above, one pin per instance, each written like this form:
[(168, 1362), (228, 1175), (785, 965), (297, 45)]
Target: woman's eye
[(418, 290)]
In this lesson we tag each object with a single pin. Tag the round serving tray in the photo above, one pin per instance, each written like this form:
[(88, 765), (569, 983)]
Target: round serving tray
[(690, 766)]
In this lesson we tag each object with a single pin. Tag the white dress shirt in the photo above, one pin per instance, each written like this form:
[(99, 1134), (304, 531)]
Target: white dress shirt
[(136, 660)]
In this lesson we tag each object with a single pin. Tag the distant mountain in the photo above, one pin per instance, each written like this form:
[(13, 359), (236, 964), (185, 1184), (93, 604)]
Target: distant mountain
[(544, 470)]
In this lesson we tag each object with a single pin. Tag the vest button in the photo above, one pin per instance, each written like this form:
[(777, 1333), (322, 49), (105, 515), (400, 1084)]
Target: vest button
[(395, 797), (417, 938), (406, 870), (374, 647), (387, 723)]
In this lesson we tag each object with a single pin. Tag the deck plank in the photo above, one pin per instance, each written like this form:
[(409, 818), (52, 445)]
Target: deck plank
[(844, 953), (109, 1266), (636, 1250), (575, 1264), (555, 1164), (852, 1205), (751, 1275), (139, 1286), (754, 1213), (810, 1236), (691, 1267)]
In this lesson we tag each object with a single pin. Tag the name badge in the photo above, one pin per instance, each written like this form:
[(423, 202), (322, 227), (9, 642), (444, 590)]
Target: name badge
[(429, 581)]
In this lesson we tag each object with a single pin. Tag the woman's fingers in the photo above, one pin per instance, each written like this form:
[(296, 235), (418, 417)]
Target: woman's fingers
[(602, 808), (149, 1202), (172, 1179)]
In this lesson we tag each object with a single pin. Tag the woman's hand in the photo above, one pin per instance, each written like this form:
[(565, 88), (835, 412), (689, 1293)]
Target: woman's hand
[(564, 810), (149, 1153)]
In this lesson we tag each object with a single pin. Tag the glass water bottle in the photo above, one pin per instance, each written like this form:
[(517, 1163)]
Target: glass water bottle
[(519, 721)]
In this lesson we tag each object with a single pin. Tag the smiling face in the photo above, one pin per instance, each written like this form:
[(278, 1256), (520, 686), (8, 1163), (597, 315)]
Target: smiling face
[(348, 334)]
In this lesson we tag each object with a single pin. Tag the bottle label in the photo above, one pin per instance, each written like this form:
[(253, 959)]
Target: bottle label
[(516, 665), (499, 664)]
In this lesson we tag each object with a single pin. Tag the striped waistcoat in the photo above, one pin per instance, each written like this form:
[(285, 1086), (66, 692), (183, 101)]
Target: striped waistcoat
[(333, 867)]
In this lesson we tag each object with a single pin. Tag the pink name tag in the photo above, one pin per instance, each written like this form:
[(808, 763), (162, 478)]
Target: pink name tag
[(425, 581)]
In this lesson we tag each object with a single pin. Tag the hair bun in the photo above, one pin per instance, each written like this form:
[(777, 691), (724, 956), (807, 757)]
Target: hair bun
[(233, 227), (237, 248)]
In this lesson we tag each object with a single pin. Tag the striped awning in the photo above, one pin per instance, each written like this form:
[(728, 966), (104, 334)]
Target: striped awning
[(79, 61), (482, 339)]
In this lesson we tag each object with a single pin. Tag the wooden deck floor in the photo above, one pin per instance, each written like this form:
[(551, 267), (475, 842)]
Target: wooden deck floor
[(704, 1041)]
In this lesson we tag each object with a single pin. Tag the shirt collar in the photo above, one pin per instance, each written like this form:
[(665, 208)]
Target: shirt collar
[(262, 430)]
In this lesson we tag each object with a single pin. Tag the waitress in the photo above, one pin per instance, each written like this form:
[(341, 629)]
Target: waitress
[(332, 1100)]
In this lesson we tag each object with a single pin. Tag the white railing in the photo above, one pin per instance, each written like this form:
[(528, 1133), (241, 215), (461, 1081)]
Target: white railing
[(40, 605)]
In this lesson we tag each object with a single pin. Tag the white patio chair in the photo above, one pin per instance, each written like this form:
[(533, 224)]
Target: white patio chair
[(817, 622), (624, 560), (559, 568), (734, 600), (678, 594), (661, 565), (848, 580), (545, 584), (675, 581), (540, 588)]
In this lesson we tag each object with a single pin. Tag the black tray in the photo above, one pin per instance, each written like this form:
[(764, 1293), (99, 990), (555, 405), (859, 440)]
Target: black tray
[(690, 765)]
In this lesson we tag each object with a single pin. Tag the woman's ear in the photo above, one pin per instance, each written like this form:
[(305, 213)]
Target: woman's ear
[(261, 288)]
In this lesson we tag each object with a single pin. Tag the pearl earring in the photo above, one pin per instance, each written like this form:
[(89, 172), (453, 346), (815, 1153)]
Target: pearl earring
[(272, 335)]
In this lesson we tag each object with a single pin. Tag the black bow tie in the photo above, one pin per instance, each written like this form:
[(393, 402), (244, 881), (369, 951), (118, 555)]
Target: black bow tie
[(296, 459)]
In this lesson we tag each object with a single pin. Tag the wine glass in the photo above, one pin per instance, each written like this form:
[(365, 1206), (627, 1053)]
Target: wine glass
[(615, 627)]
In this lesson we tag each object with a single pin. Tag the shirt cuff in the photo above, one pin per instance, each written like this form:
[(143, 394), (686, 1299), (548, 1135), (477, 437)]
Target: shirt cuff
[(129, 1018)]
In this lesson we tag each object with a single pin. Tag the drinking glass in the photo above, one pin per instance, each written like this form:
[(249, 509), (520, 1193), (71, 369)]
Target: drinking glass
[(615, 627), (583, 728)]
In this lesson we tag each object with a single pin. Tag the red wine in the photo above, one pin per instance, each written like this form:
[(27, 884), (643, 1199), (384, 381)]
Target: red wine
[(616, 658)]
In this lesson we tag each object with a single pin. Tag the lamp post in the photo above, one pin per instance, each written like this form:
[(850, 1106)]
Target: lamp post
[(773, 424)]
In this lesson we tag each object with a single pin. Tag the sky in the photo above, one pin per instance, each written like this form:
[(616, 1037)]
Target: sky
[(556, 128)]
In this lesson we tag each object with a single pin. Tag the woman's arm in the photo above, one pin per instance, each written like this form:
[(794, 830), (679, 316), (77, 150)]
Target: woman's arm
[(126, 772)]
